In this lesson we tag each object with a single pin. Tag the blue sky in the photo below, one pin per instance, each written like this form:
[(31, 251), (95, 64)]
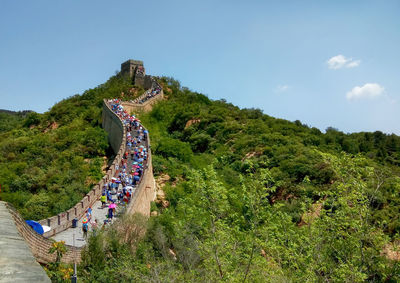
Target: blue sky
[(325, 63)]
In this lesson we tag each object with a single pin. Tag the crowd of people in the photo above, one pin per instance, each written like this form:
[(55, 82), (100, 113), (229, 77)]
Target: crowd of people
[(121, 188), (133, 163), (155, 90)]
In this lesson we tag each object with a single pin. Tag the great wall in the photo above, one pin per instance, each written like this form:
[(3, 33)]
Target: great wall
[(22, 248)]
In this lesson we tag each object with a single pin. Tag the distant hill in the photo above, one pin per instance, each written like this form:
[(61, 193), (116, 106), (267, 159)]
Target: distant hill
[(18, 113), (11, 119)]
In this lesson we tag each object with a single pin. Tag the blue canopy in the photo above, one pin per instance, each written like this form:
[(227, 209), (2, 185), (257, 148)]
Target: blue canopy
[(35, 226)]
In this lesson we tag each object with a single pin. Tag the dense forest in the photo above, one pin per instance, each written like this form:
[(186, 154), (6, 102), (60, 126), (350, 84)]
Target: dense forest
[(243, 196)]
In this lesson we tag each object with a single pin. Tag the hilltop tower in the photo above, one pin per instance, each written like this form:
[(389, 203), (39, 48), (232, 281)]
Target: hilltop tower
[(130, 66), (136, 70)]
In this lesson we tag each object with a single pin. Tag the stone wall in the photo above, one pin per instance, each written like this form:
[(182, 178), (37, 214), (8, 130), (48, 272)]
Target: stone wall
[(144, 107), (113, 125), (40, 245), (148, 82), (17, 263), (138, 80), (117, 139)]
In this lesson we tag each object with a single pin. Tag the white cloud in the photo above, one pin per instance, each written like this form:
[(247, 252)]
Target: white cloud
[(353, 64), (339, 61), (369, 90), (281, 88)]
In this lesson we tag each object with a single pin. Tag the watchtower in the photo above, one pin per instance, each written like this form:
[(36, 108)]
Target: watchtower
[(136, 71), (131, 66)]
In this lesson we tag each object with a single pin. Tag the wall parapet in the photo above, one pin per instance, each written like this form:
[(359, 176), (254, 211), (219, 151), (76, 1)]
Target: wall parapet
[(40, 245), (145, 193), (17, 263)]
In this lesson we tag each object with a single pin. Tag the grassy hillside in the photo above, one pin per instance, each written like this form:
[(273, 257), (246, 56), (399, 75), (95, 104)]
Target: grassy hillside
[(252, 198), (49, 161)]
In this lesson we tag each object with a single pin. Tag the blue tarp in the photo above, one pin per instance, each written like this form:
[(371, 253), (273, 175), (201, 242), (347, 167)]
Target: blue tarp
[(35, 226)]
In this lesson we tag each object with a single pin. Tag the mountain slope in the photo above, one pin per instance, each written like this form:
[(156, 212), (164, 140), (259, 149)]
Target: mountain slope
[(251, 197)]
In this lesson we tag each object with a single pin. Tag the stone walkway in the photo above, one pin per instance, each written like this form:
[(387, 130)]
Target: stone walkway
[(74, 236), (70, 234)]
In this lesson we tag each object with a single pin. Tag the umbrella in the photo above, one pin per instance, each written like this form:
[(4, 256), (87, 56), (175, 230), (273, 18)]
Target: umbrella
[(113, 205), (35, 226), (85, 220), (46, 228)]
